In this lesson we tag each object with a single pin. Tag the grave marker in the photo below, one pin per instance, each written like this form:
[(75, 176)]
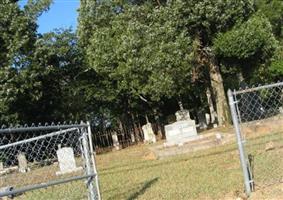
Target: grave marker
[(67, 161), (182, 131), (149, 135), (115, 140), (23, 163)]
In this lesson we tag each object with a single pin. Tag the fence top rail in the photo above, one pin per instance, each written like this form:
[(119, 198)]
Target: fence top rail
[(246, 90), (19, 129), (37, 138)]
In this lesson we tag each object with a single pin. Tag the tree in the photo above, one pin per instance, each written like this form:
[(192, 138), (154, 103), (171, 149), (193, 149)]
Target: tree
[(153, 49), (51, 76), (248, 45), (204, 20), (147, 57), (139, 59), (273, 10), (17, 37)]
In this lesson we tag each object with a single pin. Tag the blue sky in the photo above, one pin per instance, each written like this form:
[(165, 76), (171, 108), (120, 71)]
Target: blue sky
[(62, 14)]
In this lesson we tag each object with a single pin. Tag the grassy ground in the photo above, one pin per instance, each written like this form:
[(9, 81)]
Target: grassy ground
[(133, 173), (209, 174), (266, 152)]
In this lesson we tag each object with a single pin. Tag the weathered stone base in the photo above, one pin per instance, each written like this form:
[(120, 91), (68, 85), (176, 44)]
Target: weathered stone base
[(69, 171), (203, 142)]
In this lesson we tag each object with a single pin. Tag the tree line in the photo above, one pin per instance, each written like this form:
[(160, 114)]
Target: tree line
[(134, 61)]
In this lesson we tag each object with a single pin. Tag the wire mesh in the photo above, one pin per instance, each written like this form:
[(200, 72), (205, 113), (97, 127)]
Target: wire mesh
[(260, 113), (41, 164)]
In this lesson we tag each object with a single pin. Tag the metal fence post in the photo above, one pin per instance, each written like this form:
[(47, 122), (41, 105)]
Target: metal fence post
[(240, 143), (89, 169), (93, 160)]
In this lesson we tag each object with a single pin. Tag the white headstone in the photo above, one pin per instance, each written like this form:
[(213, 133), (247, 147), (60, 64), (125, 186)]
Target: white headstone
[(180, 132), (23, 163), (207, 117), (202, 120), (133, 137), (148, 133), (115, 141), (67, 161), (1, 166)]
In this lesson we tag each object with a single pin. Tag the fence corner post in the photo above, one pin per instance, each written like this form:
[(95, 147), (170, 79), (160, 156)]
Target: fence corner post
[(93, 160), (239, 141)]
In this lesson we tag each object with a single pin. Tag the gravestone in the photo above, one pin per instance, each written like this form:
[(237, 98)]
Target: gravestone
[(115, 140), (219, 138), (67, 163), (182, 115), (133, 138), (202, 120), (23, 163), (1, 166), (207, 117), (148, 133), (182, 131)]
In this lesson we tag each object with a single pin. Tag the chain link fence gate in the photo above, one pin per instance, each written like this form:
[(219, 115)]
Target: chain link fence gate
[(257, 115), (48, 162)]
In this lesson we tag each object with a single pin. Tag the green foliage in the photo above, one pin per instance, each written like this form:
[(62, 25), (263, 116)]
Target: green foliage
[(17, 36), (273, 10), (207, 18), (141, 54), (51, 78), (34, 8), (158, 51), (247, 40), (276, 66), (23, 64), (133, 56)]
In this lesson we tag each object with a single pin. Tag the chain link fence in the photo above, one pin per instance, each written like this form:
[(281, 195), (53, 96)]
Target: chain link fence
[(48, 162), (257, 115)]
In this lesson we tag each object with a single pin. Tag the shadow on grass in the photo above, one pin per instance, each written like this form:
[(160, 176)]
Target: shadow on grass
[(146, 185), (131, 192)]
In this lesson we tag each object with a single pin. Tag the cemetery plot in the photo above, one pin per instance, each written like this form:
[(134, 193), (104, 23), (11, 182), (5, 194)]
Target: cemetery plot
[(32, 161), (212, 173)]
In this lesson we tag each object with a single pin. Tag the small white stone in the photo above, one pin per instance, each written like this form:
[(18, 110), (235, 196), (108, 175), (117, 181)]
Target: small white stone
[(218, 136)]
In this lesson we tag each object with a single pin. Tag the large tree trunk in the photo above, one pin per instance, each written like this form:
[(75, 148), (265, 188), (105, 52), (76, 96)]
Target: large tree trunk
[(205, 57), (219, 93), (158, 123)]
